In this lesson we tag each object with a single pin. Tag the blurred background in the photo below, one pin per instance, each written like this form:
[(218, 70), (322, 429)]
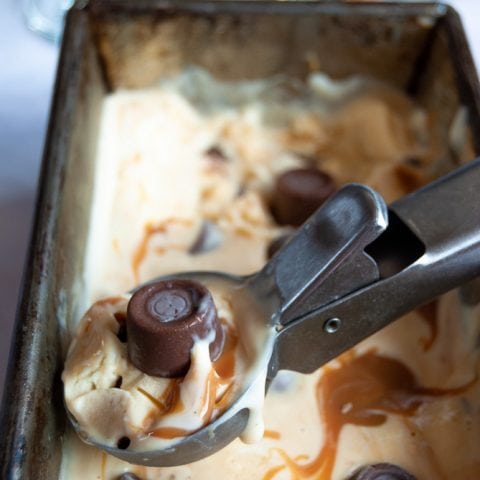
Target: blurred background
[(27, 71)]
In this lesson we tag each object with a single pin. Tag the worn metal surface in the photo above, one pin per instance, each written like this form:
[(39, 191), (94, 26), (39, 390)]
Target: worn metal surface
[(307, 272), (420, 48), (32, 419)]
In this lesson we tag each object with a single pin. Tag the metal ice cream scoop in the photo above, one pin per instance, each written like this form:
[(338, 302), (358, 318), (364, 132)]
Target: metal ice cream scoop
[(351, 269)]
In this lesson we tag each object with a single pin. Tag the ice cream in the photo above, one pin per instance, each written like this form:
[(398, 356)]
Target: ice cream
[(149, 368), (186, 179)]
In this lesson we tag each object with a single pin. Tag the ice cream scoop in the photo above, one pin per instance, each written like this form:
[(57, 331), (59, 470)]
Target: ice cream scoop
[(345, 274), (381, 471)]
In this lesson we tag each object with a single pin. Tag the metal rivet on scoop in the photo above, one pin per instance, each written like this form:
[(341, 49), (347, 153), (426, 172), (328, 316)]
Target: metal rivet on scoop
[(332, 325), (163, 319)]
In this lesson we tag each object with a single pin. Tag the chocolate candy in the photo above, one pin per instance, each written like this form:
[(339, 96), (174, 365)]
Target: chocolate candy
[(123, 443), (381, 471), (209, 238), (128, 476), (121, 318), (216, 153), (163, 321), (298, 193)]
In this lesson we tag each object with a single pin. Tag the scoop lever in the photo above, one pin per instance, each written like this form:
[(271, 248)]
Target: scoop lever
[(325, 259), (432, 245)]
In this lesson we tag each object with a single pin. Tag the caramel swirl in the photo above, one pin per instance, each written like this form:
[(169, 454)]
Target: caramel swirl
[(428, 313), (362, 391)]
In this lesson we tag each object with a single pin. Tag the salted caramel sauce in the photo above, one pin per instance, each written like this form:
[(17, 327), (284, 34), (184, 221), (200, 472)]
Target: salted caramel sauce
[(273, 434), (225, 365), (110, 301), (103, 466), (361, 391), (170, 432), (210, 405), (120, 317), (223, 401), (221, 373), (428, 313), (149, 231), (209, 396), (169, 401), (409, 177)]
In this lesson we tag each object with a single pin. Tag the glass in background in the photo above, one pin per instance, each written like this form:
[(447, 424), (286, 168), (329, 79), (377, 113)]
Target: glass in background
[(46, 16)]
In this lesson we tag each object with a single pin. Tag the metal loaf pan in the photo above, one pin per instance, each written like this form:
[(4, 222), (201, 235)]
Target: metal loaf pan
[(420, 48)]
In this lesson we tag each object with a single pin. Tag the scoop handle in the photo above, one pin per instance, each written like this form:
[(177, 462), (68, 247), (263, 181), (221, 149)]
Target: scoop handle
[(444, 217), (297, 279)]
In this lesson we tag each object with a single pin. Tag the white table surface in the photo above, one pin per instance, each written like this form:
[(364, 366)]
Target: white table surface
[(27, 70)]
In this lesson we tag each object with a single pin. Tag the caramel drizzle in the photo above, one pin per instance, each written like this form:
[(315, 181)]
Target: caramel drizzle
[(224, 368), (170, 432), (361, 391), (208, 399), (225, 365), (428, 313), (105, 302), (169, 400), (108, 301), (224, 400), (273, 434), (410, 178), (273, 471), (103, 466), (149, 231), (221, 374)]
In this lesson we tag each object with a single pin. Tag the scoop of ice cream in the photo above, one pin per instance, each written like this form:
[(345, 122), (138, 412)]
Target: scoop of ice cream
[(115, 401)]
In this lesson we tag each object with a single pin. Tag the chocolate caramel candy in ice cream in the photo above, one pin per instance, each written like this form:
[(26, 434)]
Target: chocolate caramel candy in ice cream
[(164, 320), (128, 476), (382, 471), (298, 193)]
